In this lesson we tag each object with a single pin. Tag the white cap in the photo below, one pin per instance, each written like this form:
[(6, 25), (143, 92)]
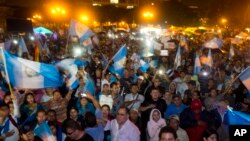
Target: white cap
[(141, 77)]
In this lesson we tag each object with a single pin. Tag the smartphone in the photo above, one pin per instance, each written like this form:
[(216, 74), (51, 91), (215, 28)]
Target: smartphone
[(83, 95)]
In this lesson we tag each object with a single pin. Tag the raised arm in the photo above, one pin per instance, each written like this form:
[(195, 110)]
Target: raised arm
[(16, 105), (95, 102), (68, 95)]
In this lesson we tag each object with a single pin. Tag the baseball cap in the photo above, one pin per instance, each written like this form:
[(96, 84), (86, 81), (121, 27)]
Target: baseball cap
[(196, 104), (174, 117), (141, 77)]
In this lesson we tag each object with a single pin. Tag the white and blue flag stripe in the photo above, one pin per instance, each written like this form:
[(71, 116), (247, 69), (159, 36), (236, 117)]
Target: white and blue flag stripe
[(143, 66), (245, 78), (197, 64), (22, 73), (80, 30), (44, 132), (215, 43), (119, 60), (71, 66)]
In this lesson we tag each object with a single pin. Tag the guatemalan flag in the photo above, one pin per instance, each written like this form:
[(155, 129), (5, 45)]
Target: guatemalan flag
[(78, 29), (22, 73), (143, 66), (22, 47), (197, 64), (215, 43), (44, 132), (245, 78), (71, 67), (209, 59), (119, 60), (177, 61)]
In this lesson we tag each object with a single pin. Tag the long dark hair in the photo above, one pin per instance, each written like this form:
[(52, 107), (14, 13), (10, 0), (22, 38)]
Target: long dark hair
[(26, 96)]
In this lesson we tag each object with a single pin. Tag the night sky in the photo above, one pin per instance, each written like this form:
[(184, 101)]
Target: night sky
[(175, 12)]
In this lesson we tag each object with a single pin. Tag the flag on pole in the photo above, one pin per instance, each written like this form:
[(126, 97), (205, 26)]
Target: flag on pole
[(22, 47), (119, 60), (143, 66), (104, 61), (183, 42), (245, 78), (215, 43), (209, 59), (44, 132), (71, 67), (197, 64), (22, 73), (231, 52), (177, 61), (42, 43), (88, 45), (78, 29)]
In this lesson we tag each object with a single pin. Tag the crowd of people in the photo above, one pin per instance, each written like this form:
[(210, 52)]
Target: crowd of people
[(138, 106)]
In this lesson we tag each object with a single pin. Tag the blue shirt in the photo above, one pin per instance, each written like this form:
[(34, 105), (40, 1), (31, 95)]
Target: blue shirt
[(97, 133), (173, 110)]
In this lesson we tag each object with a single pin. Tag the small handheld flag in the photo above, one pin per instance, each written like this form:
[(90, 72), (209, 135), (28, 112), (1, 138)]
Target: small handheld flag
[(177, 61), (245, 78), (215, 43), (197, 64), (78, 29), (209, 59), (44, 132), (119, 61)]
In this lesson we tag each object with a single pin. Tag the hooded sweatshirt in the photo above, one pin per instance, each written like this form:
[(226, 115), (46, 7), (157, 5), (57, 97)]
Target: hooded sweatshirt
[(154, 127)]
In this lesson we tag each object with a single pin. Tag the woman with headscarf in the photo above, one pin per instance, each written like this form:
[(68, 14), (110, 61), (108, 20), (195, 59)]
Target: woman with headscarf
[(155, 124)]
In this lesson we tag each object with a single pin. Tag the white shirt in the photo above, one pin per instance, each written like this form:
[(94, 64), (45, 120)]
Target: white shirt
[(15, 136), (106, 99), (128, 132), (182, 135), (135, 105)]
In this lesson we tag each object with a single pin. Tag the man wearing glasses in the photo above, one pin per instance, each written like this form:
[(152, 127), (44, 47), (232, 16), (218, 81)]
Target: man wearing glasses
[(122, 129), (75, 133)]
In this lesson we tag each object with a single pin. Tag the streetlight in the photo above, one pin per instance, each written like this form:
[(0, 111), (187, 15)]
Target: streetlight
[(223, 20), (84, 18), (58, 11), (37, 16), (148, 14)]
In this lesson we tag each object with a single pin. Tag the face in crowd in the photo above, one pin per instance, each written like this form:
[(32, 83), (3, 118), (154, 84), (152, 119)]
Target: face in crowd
[(57, 96), (155, 94), (122, 116)]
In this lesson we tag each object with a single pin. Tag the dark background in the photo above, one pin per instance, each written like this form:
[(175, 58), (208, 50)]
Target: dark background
[(176, 12)]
